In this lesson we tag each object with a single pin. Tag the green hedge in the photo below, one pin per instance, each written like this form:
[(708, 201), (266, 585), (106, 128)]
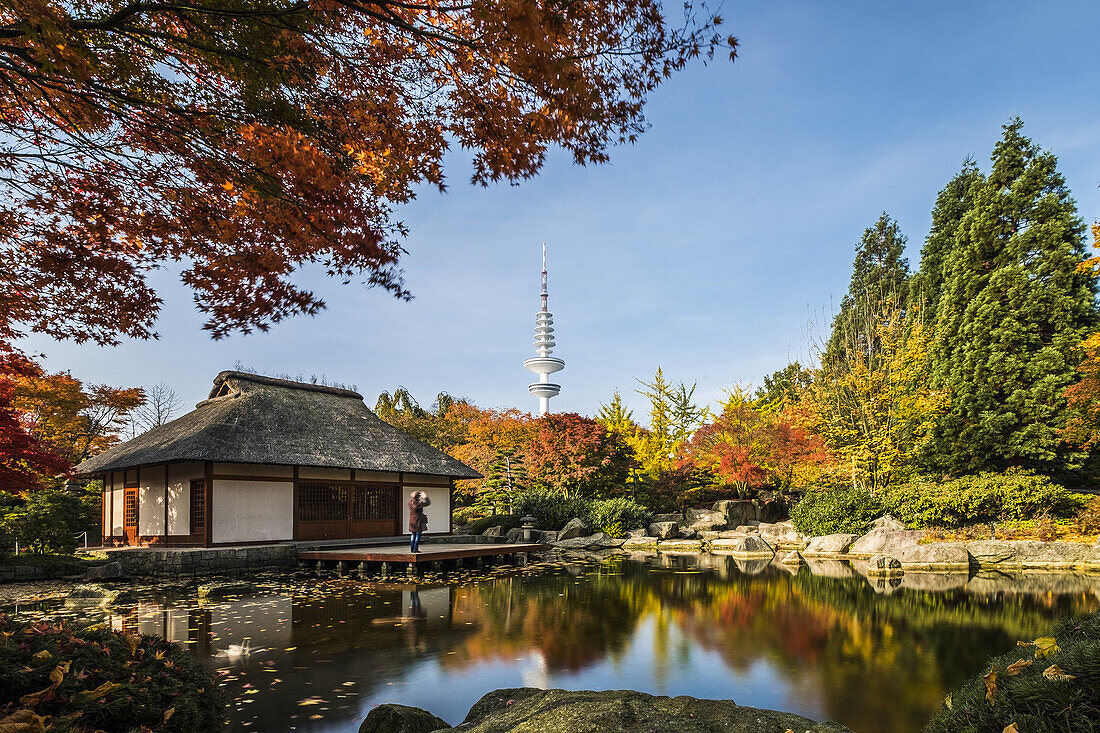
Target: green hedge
[(94, 679), (836, 511), (504, 521), (1013, 495), (1034, 701), (616, 516)]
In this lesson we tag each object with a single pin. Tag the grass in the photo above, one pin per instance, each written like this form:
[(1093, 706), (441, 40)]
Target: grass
[(53, 564)]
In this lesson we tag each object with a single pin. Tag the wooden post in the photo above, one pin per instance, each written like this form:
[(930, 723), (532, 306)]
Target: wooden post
[(165, 504), (209, 508), (294, 509)]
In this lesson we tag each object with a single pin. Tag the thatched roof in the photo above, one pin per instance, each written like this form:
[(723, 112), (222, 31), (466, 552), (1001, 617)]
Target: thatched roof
[(254, 419)]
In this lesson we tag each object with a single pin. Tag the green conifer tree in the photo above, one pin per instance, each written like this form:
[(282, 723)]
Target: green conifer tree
[(952, 203), (1012, 309), (879, 274)]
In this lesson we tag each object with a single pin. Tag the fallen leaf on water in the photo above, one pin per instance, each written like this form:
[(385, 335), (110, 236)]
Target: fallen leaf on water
[(1017, 667), (1054, 673), (990, 685)]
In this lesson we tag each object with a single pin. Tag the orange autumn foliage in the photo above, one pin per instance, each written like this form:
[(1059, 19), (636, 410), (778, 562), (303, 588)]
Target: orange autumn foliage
[(246, 140)]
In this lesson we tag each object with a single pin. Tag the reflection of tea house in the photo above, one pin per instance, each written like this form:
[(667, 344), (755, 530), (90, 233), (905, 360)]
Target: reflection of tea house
[(270, 460)]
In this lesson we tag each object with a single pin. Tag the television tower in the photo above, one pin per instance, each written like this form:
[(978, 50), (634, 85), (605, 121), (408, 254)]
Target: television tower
[(544, 365)]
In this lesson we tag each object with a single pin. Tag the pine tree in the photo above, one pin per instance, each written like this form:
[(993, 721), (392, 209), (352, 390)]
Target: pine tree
[(880, 273), (1010, 315), (615, 417), (952, 203), (506, 475)]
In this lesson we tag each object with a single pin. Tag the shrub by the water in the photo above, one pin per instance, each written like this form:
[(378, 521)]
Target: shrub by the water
[(1041, 688), (616, 516), (836, 511), (551, 509), (1013, 495), (504, 521), (466, 514), (94, 679)]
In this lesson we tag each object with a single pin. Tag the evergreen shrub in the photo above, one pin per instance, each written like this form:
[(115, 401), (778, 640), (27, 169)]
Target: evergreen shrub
[(466, 514), (504, 521), (94, 679), (615, 516), (1058, 691), (1013, 495), (551, 509), (836, 511)]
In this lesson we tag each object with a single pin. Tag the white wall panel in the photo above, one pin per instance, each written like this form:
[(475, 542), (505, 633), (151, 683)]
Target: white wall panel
[(116, 519), (252, 511), (180, 476), (151, 502), (438, 512)]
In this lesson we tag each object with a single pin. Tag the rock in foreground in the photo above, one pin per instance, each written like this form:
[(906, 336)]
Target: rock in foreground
[(529, 710), (390, 718)]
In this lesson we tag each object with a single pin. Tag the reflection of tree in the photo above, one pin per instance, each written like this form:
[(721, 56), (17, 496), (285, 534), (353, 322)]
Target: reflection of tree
[(877, 662)]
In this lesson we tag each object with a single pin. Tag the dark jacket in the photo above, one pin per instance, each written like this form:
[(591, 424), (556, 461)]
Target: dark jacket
[(417, 521)]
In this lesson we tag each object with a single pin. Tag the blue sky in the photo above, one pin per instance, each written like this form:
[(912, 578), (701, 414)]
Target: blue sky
[(715, 246)]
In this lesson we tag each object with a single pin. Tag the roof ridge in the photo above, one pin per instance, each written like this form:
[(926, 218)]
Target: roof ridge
[(276, 382)]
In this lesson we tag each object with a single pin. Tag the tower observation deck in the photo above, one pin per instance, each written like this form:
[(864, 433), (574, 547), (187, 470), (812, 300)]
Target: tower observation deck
[(544, 365)]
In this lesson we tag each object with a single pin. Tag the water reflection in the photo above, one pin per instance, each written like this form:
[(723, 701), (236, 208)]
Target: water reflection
[(822, 640)]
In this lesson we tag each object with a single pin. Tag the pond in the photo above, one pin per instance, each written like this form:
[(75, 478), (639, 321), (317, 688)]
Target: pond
[(820, 641)]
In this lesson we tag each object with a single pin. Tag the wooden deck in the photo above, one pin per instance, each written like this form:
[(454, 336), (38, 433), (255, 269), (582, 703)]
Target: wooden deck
[(428, 553)]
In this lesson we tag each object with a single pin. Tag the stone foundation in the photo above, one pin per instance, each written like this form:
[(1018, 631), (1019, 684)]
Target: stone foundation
[(188, 562)]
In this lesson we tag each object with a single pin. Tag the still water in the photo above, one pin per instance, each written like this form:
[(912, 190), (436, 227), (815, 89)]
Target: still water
[(820, 641)]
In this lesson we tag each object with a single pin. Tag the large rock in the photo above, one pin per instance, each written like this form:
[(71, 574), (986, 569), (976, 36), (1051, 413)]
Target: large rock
[(529, 710), (573, 528), (991, 552), (664, 530), (110, 571), (639, 543), (935, 556), (391, 718), (888, 523), (692, 515), (514, 535), (737, 511), (671, 517), (885, 539), (883, 565), (1093, 558), (829, 545), (681, 545), (493, 532), (1035, 554), (639, 532), (748, 546), (783, 534), (598, 540), (792, 558)]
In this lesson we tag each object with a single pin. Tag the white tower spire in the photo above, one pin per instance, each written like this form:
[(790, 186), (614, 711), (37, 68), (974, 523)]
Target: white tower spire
[(544, 365)]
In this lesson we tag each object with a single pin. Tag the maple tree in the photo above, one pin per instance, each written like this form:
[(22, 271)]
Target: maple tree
[(1083, 397), (577, 456), (76, 420), (245, 139), (24, 456)]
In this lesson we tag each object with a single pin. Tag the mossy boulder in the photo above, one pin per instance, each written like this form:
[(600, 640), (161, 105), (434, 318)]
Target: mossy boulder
[(529, 710), (390, 718)]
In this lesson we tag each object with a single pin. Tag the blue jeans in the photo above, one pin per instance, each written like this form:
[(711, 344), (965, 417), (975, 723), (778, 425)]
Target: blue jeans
[(414, 541)]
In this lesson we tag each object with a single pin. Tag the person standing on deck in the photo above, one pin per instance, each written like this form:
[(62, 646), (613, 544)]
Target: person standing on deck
[(418, 522)]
